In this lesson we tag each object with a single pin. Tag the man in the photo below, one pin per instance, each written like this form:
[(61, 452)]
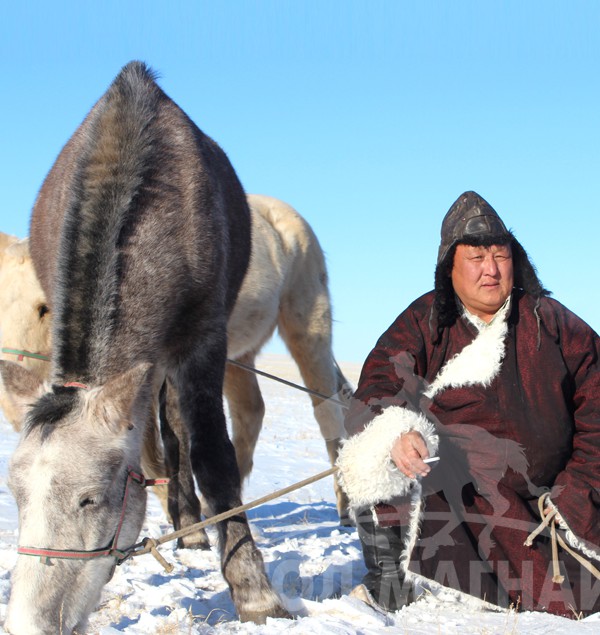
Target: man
[(501, 384)]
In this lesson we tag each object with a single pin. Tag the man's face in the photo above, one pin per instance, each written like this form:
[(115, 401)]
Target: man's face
[(482, 278)]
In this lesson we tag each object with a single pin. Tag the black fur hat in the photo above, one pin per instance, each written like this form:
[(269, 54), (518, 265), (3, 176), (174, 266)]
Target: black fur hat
[(471, 220)]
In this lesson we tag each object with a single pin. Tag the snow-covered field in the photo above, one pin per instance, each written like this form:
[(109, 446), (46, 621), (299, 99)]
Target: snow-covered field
[(312, 562)]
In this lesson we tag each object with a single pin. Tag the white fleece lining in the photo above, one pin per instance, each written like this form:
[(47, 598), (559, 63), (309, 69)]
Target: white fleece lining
[(478, 362), (367, 473), (414, 527)]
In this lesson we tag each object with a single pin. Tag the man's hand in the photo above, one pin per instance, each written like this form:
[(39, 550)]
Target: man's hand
[(408, 453)]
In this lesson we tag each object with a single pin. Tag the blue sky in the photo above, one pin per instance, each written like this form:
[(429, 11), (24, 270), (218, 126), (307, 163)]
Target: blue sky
[(370, 118)]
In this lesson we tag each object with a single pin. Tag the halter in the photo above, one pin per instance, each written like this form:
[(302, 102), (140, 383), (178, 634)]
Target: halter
[(111, 550)]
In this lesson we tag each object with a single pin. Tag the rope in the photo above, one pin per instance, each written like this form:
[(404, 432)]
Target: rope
[(550, 520), (46, 358), (251, 369), (149, 545)]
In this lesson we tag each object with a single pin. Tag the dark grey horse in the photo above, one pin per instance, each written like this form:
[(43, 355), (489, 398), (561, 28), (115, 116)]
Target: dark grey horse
[(140, 237)]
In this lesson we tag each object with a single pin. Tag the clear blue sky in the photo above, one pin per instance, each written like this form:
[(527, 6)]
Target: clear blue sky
[(369, 117)]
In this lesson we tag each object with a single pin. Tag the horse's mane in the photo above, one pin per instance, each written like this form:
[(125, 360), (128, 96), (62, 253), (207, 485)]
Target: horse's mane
[(51, 409), (109, 175)]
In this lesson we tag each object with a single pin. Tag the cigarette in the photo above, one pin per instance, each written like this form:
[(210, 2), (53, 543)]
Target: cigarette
[(432, 459)]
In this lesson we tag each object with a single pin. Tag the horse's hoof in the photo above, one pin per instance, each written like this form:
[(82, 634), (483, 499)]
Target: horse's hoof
[(197, 540), (346, 520), (260, 617)]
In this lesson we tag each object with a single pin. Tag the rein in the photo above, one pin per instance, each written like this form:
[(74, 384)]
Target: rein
[(76, 384), (111, 549)]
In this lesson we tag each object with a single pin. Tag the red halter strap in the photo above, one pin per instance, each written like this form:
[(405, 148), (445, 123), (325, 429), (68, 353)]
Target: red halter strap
[(111, 550)]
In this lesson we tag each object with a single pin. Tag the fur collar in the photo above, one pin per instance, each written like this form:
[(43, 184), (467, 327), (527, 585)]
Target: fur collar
[(479, 362)]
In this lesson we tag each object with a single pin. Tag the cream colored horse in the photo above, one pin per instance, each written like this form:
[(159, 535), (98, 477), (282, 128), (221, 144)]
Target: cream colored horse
[(285, 288), (24, 319)]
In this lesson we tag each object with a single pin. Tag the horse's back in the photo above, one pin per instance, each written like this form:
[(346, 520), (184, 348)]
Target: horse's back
[(149, 227), (295, 233), (286, 282), (282, 241)]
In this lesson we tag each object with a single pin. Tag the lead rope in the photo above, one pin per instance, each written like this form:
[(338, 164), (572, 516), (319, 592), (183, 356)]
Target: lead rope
[(149, 545), (556, 539), (251, 369)]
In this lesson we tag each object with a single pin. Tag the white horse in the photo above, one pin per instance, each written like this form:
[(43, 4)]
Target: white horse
[(285, 288), (24, 318)]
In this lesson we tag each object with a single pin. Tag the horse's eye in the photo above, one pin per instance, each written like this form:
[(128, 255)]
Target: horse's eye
[(42, 310), (85, 502)]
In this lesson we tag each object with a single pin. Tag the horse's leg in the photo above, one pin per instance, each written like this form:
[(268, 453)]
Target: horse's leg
[(183, 504), (200, 387), (246, 409), (305, 328)]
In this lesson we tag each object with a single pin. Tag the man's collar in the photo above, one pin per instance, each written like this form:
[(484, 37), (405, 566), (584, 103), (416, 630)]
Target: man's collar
[(477, 322)]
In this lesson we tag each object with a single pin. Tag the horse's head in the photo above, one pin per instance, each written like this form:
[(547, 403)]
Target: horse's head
[(24, 317), (70, 476)]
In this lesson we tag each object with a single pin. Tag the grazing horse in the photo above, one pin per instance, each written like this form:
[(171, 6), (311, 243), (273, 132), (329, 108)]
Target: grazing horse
[(140, 237), (285, 287)]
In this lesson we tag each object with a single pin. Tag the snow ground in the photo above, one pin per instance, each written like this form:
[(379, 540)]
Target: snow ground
[(312, 561)]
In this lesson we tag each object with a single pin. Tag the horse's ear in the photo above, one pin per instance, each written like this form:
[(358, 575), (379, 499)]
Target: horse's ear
[(19, 389), (125, 399), (6, 240), (19, 250)]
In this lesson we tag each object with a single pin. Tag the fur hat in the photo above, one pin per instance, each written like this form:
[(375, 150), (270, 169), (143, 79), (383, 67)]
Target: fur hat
[(472, 220), (470, 216)]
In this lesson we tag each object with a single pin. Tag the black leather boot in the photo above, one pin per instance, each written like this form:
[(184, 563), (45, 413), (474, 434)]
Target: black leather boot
[(382, 550)]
